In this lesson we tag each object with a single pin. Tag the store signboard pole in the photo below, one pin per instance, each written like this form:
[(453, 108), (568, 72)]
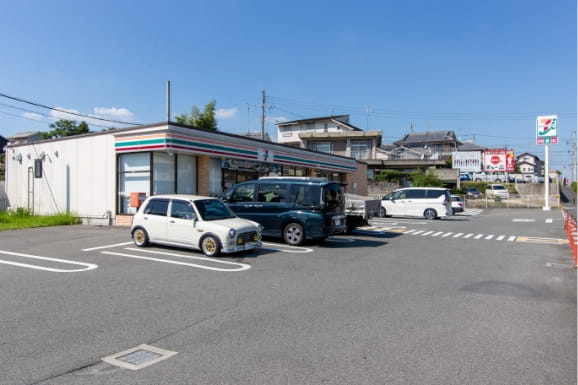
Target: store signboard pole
[(546, 133)]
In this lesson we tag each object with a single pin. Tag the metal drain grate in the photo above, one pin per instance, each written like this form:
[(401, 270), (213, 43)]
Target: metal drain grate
[(138, 357)]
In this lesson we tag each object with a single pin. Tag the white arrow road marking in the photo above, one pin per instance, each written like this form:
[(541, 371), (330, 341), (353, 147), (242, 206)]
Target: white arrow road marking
[(87, 266)]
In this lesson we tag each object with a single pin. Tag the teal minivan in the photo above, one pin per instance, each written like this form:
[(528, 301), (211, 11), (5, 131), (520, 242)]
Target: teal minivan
[(294, 208)]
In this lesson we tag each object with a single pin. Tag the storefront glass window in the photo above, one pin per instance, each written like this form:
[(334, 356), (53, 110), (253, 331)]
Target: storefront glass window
[(186, 174), (163, 173), (215, 177), (134, 177)]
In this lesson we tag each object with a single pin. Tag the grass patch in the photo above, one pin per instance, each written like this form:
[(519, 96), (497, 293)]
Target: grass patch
[(22, 219)]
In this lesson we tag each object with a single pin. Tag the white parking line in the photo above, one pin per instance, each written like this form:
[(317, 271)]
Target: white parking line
[(438, 233), (426, 233), (468, 235), (87, 266), (241, 266), (512, 238), (489, 236), (287, 248), (447, 235), (501, 237), (478, 236), (107, 246), (458, 235)]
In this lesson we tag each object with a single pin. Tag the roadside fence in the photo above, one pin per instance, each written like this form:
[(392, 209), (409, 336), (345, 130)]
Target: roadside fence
[(572, 232)]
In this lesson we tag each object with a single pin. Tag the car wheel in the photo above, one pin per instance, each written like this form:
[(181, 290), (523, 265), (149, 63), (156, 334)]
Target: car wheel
[(140, 237), (293, 234), (382, 212), (498, 180), (430, 214), (210, 246)]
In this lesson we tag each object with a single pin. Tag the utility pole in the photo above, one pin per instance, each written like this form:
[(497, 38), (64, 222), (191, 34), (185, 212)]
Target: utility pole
[(574, 170), (263, 117), (168, 100)]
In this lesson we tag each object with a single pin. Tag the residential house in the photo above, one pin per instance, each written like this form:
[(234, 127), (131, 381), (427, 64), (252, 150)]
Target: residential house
[(434, 144), (529, 165), (25, 137), (332, 134)]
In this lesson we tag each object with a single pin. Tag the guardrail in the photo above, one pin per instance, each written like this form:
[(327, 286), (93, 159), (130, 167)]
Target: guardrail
[(571, 228)]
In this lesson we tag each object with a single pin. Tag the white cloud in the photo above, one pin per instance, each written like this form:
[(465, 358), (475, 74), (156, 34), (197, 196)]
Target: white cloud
[(32, 115), (119, 113), (226, 113)]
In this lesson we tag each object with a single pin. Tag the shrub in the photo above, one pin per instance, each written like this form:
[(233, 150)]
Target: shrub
[(426, 179)]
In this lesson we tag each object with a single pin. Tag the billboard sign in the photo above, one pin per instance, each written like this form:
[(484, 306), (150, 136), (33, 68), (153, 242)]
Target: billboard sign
[(547, 129), (467, 161), (499, 160)]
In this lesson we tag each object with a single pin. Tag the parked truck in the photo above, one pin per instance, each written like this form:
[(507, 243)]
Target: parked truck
[(359, 209)]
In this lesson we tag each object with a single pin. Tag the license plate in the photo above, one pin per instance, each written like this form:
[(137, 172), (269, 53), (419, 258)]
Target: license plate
[(337, 222)]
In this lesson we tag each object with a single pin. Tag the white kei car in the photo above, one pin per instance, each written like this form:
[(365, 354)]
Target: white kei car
[(193, 221)]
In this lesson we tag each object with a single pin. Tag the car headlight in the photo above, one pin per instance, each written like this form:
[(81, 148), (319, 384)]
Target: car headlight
[(232, 233), (260, 228)]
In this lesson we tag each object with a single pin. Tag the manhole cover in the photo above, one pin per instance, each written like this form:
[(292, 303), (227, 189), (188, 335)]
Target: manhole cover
[(138, 357)]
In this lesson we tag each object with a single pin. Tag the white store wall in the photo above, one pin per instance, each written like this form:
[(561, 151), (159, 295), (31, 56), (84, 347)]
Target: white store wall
[(78, 176)]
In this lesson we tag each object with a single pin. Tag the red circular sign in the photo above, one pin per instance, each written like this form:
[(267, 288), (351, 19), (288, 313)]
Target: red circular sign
[(495, 159)]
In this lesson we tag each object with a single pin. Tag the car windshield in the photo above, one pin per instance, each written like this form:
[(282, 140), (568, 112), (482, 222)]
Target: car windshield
[(213, 209), (499, 187)]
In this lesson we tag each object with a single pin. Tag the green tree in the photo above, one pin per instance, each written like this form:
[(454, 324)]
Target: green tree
[(426, 179), (205, 119), (64, 127)]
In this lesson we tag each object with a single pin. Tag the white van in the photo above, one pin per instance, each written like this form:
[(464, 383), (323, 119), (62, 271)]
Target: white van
[(427, 202)]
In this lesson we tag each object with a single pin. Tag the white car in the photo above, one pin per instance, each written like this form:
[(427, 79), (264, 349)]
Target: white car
[(458, 204), (497, 190), (193, 221), (427, 202)]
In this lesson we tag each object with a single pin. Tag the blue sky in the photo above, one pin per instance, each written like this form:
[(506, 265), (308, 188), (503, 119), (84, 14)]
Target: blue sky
[(485, 69)]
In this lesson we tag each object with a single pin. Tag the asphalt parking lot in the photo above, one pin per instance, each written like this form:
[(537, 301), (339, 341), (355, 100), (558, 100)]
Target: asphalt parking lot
[(401, 301)]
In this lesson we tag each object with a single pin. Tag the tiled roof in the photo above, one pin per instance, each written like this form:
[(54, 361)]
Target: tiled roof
[(340, 118), (427, 137)]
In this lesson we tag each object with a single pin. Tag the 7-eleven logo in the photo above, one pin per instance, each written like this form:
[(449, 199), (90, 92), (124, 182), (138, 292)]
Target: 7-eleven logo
[(547, 129)]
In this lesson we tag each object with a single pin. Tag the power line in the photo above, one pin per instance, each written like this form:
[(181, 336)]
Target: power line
[(37, 113), (67, 112), (407, 114)]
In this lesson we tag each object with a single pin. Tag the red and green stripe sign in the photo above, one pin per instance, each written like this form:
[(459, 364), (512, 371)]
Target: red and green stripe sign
[(220, 148)]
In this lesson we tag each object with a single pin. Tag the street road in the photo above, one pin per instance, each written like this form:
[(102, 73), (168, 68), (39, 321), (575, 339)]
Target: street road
[(485, 297)]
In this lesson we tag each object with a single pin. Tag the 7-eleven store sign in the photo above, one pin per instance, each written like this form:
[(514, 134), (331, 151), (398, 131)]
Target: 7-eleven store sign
[(547, 129)]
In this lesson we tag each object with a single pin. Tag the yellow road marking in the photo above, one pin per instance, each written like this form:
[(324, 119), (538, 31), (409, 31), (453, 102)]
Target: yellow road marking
[(555, 241)]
